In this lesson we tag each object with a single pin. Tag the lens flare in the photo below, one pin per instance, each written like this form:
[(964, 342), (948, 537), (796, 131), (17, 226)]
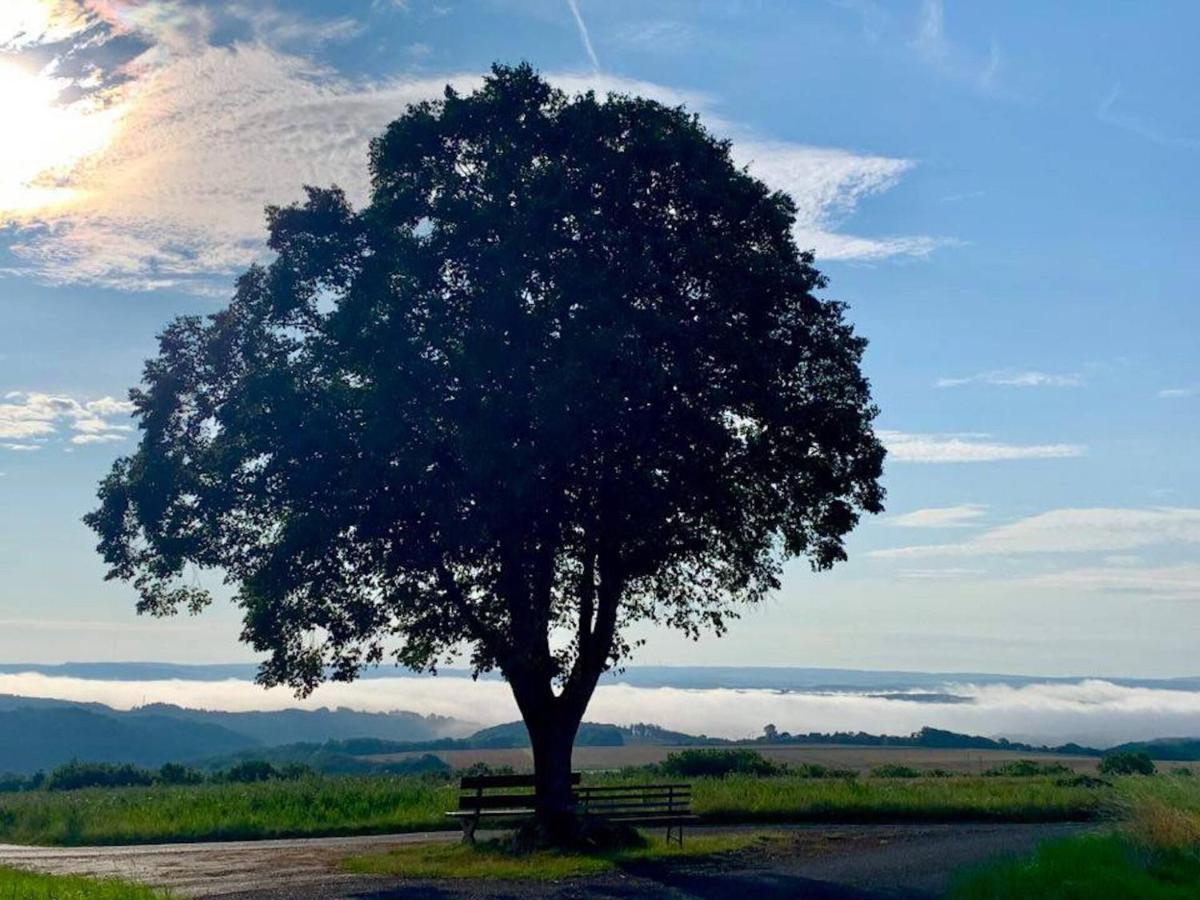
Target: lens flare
[(44, 141)]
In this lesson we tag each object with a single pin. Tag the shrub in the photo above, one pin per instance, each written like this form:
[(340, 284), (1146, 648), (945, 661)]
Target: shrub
[(11, 783), (1027, 768), (893, 770), (76, 775), (482, 769), (1127, 762), (250, 771), (816, 770), (174, 773), (718, 763)]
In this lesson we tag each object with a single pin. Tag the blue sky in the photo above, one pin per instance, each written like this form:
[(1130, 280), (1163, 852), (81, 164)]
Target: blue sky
[(1004, 193)]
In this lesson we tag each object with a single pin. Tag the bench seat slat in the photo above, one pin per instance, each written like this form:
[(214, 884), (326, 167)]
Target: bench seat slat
[(599, 788), (494, 801)]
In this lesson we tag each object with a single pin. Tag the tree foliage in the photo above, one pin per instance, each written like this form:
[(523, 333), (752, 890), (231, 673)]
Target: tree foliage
[(566, 370)]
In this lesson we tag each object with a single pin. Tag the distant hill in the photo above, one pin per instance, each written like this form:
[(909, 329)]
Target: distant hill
[(290, 726), (40, 733), (41, 738), (1176, 749)]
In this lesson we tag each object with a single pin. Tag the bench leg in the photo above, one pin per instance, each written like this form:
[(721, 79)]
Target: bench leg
[(469, 824)]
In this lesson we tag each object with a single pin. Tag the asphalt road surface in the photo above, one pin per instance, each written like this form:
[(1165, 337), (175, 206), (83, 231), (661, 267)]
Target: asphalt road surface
[(824, 862)]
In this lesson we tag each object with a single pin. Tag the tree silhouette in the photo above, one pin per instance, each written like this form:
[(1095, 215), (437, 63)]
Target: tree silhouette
[(564, 372)]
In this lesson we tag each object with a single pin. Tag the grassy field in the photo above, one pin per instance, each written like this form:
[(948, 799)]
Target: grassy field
[(861, 759), (366, 805), (313, 806), (1153, 853), (492, 860), (18, 885)]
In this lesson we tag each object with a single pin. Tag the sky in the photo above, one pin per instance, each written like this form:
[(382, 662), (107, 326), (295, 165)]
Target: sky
[(1004, 194)]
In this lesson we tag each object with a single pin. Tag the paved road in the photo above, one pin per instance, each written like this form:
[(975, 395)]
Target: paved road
[(822, 862)]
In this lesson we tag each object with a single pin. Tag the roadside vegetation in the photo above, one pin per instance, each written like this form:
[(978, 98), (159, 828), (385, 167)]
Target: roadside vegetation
[(495, 859), (16, 884), (1153, 852)]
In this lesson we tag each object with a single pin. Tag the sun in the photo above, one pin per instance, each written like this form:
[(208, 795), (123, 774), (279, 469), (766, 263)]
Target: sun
[(43, 141)]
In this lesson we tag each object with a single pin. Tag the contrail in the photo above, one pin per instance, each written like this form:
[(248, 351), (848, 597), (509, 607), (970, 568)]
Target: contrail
[(583, 34)]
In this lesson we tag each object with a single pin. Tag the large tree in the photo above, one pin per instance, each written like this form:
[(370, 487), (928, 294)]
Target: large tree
[(565, 371)]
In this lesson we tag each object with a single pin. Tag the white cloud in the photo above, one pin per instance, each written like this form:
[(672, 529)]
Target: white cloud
[(1090, 711), (27, 417), (1014, 378), (1095, 530), (953, 572), (904, 446), (25, 23), (1181, 581), (1175, 393), (940, 516), (207, 136), (827, 185)]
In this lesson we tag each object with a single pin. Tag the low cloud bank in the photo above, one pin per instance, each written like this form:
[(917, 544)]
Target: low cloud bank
[(1091, 711)]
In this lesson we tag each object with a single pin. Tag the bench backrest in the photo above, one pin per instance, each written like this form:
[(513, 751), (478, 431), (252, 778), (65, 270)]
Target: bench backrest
[(604, 800), (646, 799), (475, 790)]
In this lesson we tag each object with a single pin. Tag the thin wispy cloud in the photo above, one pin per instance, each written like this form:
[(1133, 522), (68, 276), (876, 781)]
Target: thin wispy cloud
[(932, 45), (1178, 581), (1089, 530), (911, 447), (1111, 112), (1014, 378), (584, 37), (1178, 392), (941, 516), (29, 420)]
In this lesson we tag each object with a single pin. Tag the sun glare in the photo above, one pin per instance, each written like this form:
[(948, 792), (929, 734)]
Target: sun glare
[(44, 140)]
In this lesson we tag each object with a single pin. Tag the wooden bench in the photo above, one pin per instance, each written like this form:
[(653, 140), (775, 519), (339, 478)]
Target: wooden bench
[(475, 801), (641, 804)]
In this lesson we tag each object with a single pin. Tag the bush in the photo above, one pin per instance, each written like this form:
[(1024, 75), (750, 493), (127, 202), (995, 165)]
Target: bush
[(1027, 768), (893, 770), (1127, 762), (482, 769), (174, 773), (718, 764), (816, 770), (250, 771), (76, 775)]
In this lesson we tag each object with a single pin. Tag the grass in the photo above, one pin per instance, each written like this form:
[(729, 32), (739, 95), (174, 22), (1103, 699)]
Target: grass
[(937, 799), (493, 860), (374, 805), (309, 807), (1094, 867), (16, 884), (1154, 853)]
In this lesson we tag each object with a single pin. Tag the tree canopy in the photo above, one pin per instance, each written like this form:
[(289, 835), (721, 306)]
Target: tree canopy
[(566, 370)]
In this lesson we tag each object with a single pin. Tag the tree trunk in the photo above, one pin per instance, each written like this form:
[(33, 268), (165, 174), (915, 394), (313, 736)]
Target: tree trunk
[(552, 739)]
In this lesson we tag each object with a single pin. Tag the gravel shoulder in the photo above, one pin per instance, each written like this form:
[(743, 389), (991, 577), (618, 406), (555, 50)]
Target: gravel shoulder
[(836, 862)]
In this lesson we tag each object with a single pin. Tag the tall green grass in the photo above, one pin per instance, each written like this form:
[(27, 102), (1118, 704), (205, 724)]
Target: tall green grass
[(367, 805), (312, 806), (739, 799), (19, 885), (1152, 853)]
